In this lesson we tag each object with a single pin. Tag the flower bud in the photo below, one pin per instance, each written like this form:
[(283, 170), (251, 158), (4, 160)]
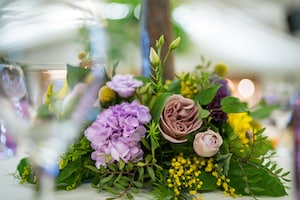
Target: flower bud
[(106, 96), (174, 44), (221, 69), (154, 58), (160, 42), (82, 55), (207, 143)]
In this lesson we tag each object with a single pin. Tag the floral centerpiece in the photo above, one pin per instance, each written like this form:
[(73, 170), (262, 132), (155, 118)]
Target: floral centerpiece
[(179, 137)]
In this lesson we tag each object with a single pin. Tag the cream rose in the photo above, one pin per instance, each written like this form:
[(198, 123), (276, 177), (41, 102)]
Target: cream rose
[(179, 118), (207, 143)]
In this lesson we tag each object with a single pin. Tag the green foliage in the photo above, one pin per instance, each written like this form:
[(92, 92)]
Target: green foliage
[(73, 164), (159, 105), (207, 95), (25, 172), (250, 178), (250, 169), (76, 74), (124, 179), (233, 105), (263, 111)]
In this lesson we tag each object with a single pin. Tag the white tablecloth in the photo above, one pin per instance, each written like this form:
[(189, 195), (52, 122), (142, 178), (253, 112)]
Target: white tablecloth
[(10, 189)]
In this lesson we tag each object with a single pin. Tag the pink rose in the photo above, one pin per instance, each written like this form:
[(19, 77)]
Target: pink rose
[(179, 118), (207, 143)]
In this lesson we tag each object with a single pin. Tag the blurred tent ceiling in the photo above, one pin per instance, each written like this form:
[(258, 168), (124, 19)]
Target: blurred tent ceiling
[(250, 36)]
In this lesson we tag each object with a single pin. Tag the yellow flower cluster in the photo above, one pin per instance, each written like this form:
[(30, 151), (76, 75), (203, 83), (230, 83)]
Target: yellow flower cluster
[(189, 86), (185, 175), (26, 173), (241, 124)]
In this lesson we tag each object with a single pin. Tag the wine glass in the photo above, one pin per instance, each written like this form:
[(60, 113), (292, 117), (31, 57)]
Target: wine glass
[(13, 87), (48, 35), (48, 138)]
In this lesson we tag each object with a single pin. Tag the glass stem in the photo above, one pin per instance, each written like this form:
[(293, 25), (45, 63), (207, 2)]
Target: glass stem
[(46, 185)]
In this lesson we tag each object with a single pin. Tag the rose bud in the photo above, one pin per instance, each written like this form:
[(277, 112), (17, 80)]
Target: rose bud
[(207, 143)]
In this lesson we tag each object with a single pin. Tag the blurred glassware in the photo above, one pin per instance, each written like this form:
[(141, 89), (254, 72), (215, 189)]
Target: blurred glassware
[(8, 143), (295, 123), (48, 35), (12, 86)]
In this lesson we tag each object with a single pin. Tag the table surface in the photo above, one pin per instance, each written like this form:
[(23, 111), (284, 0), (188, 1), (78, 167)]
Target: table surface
[(11, 189)]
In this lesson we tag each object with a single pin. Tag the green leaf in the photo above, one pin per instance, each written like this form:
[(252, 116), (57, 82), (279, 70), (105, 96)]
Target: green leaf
[(263, 111), (112, 167), (174, 86), (159, 105), (129, 195), (67, 172), (138, 184), (76, 74), (203, 112), (146, 144), (44, 112), (121, 164), (224, 162), (151, 173), (125, 178), (140, 174), (118, 178), (286, 173), (22, 168), (209, 181), (107, 179), (268, 185), (111, 190), (134, 190), (206, 96), (119, 186), (278, 171), (233, 105)]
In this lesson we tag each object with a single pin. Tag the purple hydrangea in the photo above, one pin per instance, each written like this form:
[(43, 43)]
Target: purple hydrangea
[(116, 133), (124, 85)]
